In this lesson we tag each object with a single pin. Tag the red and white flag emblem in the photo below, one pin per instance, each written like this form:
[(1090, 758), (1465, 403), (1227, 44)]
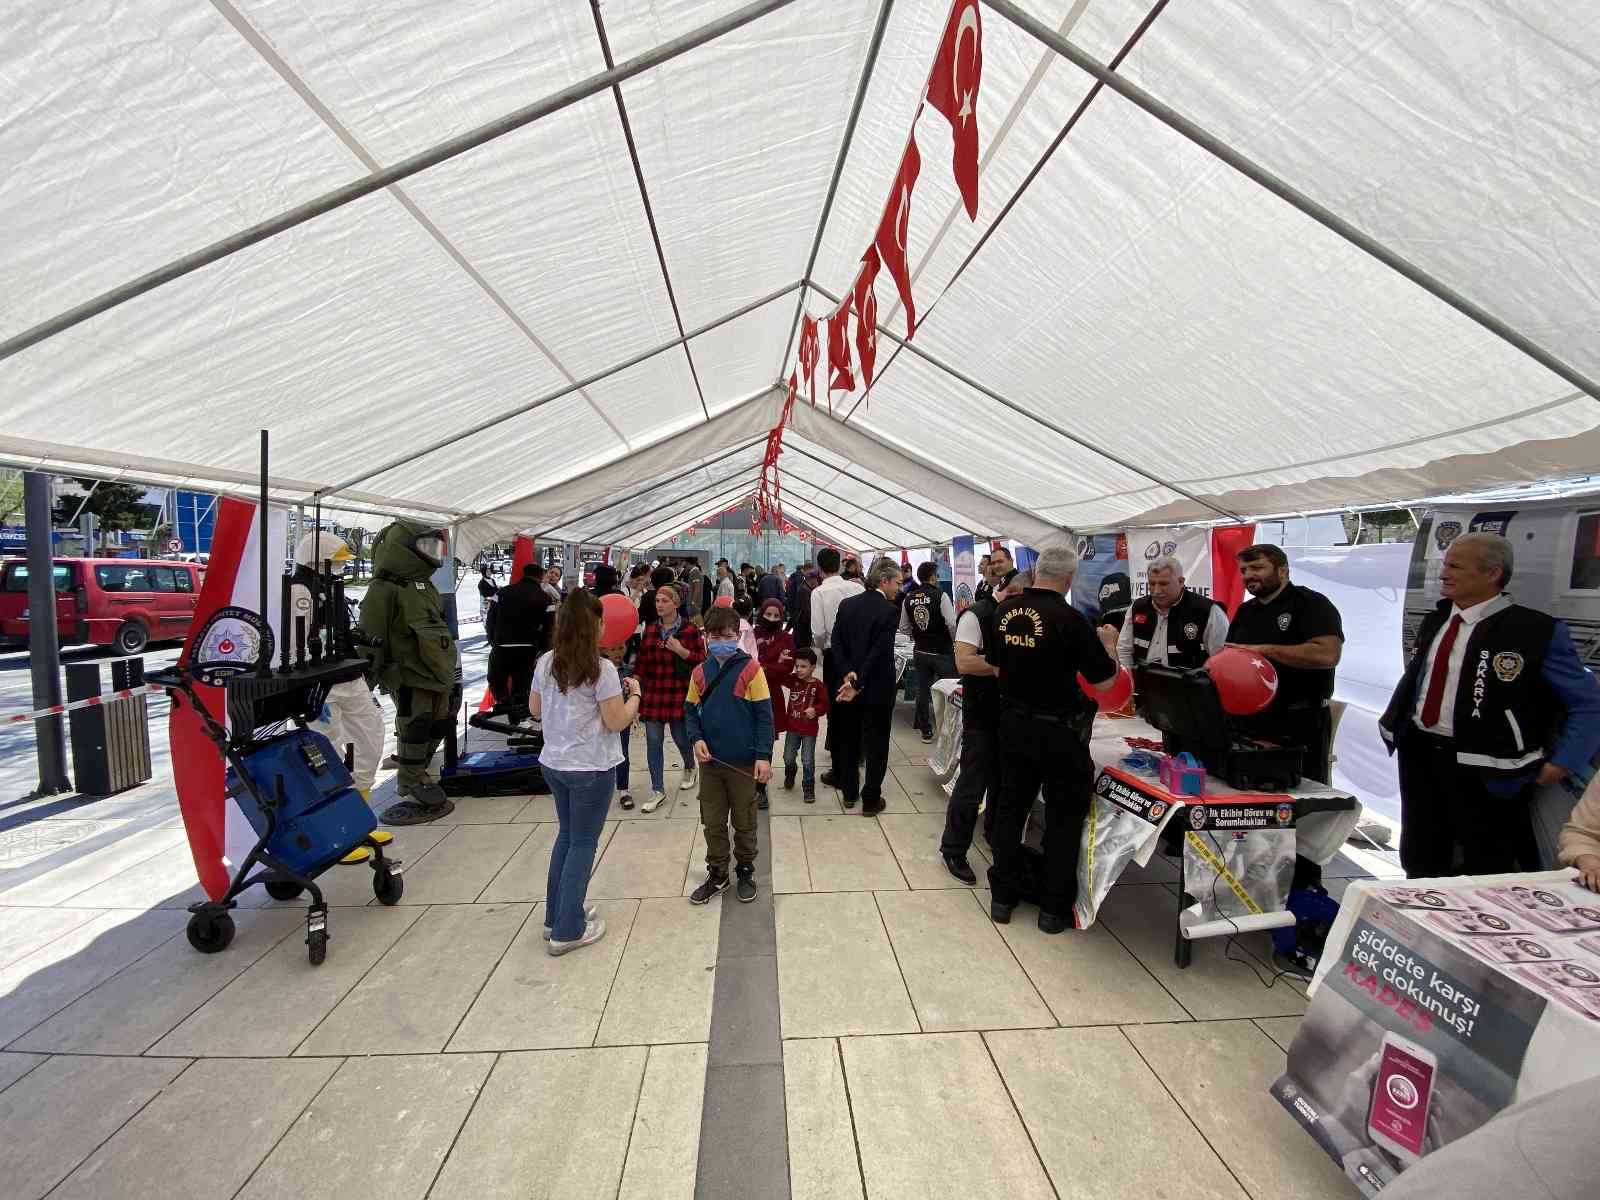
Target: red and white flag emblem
[(953, 90), (809, 353), (840, 376), (865, 301), (890, 241), (219, 833)]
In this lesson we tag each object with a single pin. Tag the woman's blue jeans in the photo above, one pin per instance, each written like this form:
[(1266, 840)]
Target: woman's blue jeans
[(655, 734), (582, 800)]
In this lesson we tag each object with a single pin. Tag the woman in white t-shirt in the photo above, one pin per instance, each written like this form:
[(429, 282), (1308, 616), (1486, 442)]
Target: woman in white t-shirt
[(581, 705)]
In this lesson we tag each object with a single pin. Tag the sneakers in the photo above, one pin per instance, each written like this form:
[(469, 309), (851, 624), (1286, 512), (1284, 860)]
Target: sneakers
[(590, 913), (809, 795), (762, 800), (593, 931), (657, 799), (927, 736), (960, 868), (715, 882), (745, 885), (688, 780)]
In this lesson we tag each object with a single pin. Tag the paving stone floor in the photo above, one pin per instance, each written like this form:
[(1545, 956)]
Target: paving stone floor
[(865, 1031)]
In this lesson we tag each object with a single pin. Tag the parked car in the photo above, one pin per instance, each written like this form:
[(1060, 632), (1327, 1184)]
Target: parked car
[(120, 602)]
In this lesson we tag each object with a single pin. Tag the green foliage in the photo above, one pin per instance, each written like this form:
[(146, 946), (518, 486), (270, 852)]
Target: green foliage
[(114, 505)]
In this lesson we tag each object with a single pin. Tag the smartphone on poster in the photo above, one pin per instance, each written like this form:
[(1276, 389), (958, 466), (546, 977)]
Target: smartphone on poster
[(1401, 1095)]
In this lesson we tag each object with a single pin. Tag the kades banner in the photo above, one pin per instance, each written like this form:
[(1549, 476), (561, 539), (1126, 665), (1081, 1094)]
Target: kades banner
[(1429, 1018)]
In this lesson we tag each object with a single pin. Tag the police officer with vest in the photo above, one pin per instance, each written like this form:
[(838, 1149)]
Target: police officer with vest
[(1493, 700), (1041, 645), (980, 729), (929, 617), (1170, 625)]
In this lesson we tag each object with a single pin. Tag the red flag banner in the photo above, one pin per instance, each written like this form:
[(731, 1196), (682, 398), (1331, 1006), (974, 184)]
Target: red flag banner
[(840, 376), (890, 240), (865, 301), (953, 90), (808, 353)]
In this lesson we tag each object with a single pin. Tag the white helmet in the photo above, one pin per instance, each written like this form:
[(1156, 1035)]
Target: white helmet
[(314, 549)]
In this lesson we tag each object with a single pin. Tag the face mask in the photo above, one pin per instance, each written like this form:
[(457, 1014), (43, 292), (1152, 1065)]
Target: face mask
[(771, 622), (720, 648)]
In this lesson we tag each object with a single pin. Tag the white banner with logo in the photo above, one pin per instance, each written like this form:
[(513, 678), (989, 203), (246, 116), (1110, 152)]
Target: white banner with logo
[(1190, 545)]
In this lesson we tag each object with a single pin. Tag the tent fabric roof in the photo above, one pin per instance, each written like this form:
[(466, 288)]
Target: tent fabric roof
[(1146, 335)]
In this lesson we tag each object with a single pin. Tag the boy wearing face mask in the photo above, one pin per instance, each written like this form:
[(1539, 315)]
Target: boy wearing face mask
[(775, 652), (728, 714)]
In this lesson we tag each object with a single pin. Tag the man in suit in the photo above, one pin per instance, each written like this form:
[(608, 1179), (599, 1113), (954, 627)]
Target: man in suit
[(863, 647), (1494, 700)]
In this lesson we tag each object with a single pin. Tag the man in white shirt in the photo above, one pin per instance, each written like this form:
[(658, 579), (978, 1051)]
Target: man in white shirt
[(825, 600), (1170, 626)]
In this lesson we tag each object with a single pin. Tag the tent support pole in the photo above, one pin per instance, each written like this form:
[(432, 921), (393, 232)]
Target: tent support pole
[(803, 503), (550, 397), (821, 490), (838, 166), (644, 196), (648, 488), (402, 170), (947, 518), (972, 383), (682, 513), (1326, 217), (715, 486)]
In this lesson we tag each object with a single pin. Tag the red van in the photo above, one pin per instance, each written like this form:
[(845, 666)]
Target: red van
[(121, 602)]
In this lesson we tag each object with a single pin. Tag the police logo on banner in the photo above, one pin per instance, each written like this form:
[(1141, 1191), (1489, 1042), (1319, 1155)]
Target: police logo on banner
[(1507, 666), (1447, 532), (1086, 548), (1283, 621), (1197, 816), (1158, 809), (233, 641), (1153, 550), (1103, 784), (1191, 631), (1169, 547), (1284, 814)]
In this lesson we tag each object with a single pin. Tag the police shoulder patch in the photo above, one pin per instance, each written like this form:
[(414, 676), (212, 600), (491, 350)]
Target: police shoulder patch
[(1507, 666)]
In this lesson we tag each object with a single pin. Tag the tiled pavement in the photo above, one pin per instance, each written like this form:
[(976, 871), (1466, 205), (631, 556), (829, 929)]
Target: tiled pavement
[(916, 1049)]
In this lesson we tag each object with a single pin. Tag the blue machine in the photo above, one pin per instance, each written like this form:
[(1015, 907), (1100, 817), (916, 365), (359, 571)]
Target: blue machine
[(320, 815)]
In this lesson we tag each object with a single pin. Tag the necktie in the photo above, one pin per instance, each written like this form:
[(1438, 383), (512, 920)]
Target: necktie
[(1434, 700)]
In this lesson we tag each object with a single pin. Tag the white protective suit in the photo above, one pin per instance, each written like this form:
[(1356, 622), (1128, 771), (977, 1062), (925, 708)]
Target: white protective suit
[(350, 714)]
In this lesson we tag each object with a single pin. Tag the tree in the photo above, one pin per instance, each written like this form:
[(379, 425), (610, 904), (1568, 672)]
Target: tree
[(114, 505), (10, 497)]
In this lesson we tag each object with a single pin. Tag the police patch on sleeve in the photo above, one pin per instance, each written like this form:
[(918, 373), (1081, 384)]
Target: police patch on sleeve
[(1507, 666)]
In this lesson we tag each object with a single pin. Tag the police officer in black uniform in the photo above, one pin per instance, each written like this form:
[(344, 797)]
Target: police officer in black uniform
[(1041, 645), (929, 617), (1299, 631), (979, 773)]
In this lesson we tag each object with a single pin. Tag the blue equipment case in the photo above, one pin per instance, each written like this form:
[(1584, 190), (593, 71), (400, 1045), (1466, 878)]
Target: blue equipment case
[(321, 816)]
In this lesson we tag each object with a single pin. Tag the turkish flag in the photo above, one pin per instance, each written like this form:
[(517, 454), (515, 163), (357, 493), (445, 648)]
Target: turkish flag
[(890, 241), (953, 90), (840, 376), (866, 305), (808, 353)]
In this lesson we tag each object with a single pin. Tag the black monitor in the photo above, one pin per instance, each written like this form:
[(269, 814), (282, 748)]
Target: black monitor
[(1185, 706)]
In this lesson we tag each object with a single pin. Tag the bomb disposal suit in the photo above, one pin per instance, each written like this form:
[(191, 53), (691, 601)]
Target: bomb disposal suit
[(350, 714), (413, 658)]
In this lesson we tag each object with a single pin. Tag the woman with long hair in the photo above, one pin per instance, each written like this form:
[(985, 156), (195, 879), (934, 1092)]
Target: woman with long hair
[(582, 705)]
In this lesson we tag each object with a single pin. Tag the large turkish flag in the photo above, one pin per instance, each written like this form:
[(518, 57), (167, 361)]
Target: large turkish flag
[(866, 306), (840, 376), (890, 241), (953, 90)]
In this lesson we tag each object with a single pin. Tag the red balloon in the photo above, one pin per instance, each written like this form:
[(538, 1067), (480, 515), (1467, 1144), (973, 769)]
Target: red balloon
[(619, 619), (1246, 681), (1120, 692), (722, 602)]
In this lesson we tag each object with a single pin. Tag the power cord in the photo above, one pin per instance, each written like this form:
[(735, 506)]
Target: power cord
[(1249, 960)]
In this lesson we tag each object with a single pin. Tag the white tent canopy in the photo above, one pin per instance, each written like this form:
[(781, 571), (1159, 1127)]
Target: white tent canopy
[(603, 299)]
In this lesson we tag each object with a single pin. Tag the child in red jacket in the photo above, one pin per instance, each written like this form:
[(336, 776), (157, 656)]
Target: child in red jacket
[(807, 702)]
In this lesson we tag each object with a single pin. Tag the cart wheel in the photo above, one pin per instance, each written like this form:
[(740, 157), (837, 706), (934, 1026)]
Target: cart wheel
[(283, 889), (317, 946), (210, 933), (388, 887)]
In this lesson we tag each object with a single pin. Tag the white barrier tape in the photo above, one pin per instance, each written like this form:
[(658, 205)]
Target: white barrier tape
[(55, 710)]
